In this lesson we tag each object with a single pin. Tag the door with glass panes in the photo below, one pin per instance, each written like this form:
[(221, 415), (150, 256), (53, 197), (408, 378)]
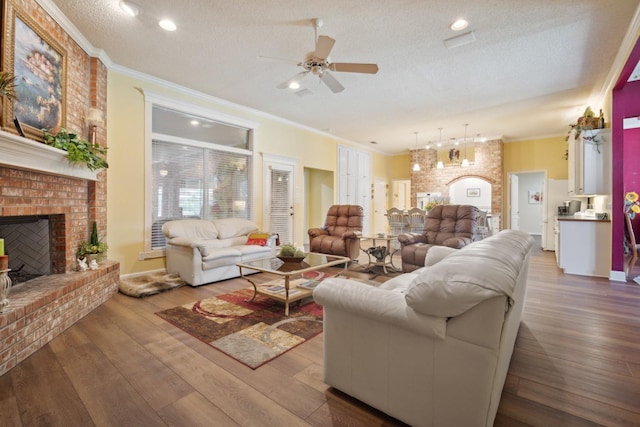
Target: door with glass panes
[(279, 185)]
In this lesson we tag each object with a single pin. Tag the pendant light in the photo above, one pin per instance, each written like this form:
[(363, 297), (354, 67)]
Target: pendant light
[(440, 164), (465, 162), (416, 165)]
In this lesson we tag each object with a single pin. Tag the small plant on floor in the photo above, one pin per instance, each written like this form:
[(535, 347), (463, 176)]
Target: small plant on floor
[(93, 247), (78, 150)]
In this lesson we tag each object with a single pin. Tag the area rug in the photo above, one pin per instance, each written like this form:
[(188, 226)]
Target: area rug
[(254, 332), (149, 284)]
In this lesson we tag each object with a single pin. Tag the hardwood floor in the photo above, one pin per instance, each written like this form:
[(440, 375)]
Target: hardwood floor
[(576, 363)]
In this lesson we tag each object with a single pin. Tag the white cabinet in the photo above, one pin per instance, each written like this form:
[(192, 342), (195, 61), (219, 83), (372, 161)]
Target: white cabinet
[(589, 162), (584, 247), (354, 181)]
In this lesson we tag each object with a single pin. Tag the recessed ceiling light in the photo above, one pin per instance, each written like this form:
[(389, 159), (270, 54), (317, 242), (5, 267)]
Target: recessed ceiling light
[(294, 85), (459, 24), (194, 122), (167, 24), (129, 8)]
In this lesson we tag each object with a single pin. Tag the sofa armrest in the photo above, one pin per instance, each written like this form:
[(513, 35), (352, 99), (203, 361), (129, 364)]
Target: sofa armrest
[(411, 238), (384, 305), (351, 234), (457, 242), (315, 232)]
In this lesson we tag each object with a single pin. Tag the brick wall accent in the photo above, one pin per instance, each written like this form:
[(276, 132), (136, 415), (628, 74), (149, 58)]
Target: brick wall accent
[(41, 309), (487, 166)]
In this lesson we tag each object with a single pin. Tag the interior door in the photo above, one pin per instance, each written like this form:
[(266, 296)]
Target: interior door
[(379, 205), (401, 194), (514, 218), (278, 191)]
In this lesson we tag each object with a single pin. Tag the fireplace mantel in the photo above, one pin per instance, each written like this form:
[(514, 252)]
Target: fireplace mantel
[(23, 153)]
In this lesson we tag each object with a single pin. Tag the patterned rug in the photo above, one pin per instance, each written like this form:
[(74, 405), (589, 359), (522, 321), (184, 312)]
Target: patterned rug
[(254, 332)]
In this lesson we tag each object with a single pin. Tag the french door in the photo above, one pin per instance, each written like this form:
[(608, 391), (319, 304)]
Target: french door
[(278, 197)]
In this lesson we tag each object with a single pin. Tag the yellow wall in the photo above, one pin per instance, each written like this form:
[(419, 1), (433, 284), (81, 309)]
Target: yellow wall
[(534, 155), (126, 175), (537, 155)]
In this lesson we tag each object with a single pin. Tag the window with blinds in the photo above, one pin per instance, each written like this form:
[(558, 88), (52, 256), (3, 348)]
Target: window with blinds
[(197, 178)]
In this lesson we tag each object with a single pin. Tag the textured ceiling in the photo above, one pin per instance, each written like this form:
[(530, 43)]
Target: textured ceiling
[(534, 67)]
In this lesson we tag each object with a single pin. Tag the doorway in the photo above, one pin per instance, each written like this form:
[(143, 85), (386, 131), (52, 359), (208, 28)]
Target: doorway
[(527, 202), (278, 192), (401, 196)]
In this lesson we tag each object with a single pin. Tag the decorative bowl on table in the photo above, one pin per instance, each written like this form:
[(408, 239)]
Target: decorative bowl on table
[(290, 258)]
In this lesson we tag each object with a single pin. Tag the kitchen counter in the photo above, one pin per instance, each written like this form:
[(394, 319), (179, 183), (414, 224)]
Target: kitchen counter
[(580, 218)]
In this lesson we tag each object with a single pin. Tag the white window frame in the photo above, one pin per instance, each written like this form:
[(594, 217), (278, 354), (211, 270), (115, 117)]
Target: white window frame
[(152, 99)]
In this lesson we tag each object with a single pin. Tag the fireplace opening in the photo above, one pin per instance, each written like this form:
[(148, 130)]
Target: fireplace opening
[(27, 242)]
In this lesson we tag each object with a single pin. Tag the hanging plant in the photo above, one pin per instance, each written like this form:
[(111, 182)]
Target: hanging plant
[(78, 150)]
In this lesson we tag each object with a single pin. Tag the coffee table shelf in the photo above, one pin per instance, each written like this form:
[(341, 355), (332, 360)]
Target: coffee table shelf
[(288, 272)]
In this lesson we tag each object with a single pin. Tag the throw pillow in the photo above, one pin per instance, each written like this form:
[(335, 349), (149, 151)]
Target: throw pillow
[(258, 238)]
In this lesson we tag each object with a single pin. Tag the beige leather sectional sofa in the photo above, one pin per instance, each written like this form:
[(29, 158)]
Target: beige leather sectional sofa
[(431, 347)]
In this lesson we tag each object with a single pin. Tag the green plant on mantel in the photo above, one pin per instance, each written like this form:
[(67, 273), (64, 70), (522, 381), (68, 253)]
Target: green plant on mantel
[(7, 85), (78, 150)]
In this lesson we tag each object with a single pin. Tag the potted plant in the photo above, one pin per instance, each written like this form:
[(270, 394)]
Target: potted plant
[(94, 248), (78, 150), (7, 85)]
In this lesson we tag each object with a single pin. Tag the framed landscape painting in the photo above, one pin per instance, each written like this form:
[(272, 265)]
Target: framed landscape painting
[(39, 65), (473, 192)]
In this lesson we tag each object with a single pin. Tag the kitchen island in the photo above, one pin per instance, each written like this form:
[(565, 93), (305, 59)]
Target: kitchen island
[(584, 245)]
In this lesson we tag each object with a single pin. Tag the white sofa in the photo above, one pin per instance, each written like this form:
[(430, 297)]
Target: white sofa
[(204, 251), (431, 347)]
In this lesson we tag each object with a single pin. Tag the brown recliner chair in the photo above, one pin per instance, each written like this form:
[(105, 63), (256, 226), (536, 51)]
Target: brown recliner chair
[(340, 234), (454, 226)]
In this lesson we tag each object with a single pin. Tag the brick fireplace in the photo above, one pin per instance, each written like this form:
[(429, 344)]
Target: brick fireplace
[(36, 181)]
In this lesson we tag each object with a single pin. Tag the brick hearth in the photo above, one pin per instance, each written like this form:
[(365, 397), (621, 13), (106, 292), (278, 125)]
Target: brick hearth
[(42, 308)]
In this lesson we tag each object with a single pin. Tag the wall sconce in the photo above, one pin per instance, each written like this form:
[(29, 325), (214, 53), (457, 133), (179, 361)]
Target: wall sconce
[(95, 117)]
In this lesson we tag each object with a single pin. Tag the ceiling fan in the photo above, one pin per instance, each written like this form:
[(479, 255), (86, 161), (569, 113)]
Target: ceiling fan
[(319, 64)]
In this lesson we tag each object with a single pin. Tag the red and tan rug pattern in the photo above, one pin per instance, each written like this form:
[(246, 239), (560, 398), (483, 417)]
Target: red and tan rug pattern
[(254, 332)]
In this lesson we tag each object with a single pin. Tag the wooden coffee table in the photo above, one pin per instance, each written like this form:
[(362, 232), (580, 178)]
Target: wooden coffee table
[(287, 288)]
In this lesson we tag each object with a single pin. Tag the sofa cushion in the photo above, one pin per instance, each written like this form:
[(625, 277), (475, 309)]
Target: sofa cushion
[(190, 228), (461, 280), (435, 255), (221, 258), (234, 227)]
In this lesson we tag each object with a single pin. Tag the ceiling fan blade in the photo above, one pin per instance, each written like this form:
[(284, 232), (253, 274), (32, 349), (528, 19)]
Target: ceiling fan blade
[(331, 82), (323, 47), (354, 68), (296, 78)]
